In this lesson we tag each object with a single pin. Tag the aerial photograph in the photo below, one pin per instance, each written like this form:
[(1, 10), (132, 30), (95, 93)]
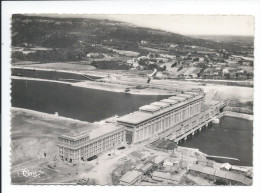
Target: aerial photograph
[(132, 100)]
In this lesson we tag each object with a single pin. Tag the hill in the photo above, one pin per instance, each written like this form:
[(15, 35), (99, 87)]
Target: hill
[(70, 32)]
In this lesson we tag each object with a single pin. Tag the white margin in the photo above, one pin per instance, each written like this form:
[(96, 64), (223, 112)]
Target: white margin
[(236, 7)]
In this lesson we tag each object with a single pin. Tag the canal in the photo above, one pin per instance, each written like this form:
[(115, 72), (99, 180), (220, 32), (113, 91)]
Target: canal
[(232, 137), (75, 102)]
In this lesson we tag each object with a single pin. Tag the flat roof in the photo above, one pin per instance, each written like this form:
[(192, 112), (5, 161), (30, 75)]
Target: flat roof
[(141, 115), (104, 129), (239, 168), (130, 176), (179, 98), (162, 175), (93, 130), (233, 176), (170, 101), (80, 132), (159, 159), (202, 169), (150, 108), (161, 104), (135, 117), (185, 95), (191, 92), (147, 167)]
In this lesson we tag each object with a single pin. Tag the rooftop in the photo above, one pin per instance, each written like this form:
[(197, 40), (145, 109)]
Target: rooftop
[(162, 175), (188, 96), (160, 104), (104, 129), (130, 176), (80, 132), (233, 176), (159, 159), (202, 169), (135, 117), (150, 108), (147, 167), (239, 168), (170, 101), (179, 98), (143, 115), (93, 130)]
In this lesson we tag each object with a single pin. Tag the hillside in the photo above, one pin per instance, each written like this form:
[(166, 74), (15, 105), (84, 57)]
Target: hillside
[(76, 32)]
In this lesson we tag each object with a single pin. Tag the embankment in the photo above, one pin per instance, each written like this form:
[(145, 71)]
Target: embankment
[(238, 115)]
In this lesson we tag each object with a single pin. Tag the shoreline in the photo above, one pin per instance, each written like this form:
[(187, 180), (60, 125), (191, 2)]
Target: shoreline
[(238, 115), (55, 70), (99, 74), (205, 155), (45, 115), (97, 86)]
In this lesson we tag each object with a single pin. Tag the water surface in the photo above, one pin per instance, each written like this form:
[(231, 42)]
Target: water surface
[(232, 137), (75, 102)]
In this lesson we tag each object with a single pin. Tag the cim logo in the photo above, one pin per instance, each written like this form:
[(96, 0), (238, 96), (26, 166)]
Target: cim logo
[(30, 173)]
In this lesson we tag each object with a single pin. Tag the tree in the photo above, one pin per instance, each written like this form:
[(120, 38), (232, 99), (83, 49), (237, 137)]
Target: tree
[(164, 68), (174, 64)]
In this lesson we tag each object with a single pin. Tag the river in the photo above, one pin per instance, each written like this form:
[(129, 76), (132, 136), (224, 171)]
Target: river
[(232, 137), (75, 102)]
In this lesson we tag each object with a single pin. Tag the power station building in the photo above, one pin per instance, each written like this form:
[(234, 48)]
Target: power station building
[(158, 117), (176, 116)]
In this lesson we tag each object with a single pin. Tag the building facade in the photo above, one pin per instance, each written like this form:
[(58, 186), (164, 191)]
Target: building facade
[(78, 146), (158, 117)]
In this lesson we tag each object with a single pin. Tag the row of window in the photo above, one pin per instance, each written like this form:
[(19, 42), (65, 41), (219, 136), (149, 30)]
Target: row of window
[(169, 120), (96, 147)]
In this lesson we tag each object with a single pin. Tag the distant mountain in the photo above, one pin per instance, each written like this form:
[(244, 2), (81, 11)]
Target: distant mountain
[(75, 32), (243, 40)]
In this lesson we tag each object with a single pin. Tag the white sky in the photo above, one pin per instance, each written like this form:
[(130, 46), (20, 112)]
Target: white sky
[(187, 24)]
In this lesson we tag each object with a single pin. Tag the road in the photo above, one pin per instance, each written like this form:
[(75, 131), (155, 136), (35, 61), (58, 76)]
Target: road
[(106, 164)]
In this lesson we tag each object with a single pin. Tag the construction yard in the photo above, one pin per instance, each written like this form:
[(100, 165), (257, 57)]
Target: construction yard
[(34, 152)]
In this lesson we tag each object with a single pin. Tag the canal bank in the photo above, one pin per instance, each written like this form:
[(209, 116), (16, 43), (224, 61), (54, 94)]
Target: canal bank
[(238, 115)]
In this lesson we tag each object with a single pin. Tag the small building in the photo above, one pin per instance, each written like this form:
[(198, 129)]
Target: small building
[(162, 176), (202, 171), (144, 168), (130, 177), (225, 166), (232, 178), (167, 163), (239, 170), (159, 160)]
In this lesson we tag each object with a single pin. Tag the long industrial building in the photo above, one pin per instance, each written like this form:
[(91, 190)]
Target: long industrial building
[(174, 117), (158, 117)]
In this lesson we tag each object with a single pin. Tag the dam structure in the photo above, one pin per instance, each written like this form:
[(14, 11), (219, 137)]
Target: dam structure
[(173, 118)]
